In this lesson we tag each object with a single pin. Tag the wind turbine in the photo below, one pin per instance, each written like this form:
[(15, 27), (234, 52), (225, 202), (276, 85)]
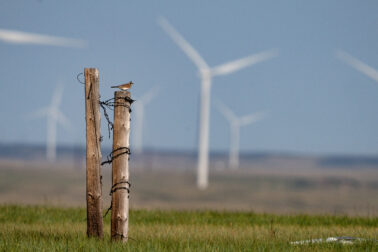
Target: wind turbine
[(235, 124), (139, 106), (207, 73), (19, 37), (358, 65), (54, 116)]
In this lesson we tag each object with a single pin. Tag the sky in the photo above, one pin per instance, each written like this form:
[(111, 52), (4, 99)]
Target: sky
[(316, 103)]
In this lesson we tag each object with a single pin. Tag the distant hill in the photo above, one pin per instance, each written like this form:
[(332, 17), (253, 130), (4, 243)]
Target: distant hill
[(38, 152), (167, 159)]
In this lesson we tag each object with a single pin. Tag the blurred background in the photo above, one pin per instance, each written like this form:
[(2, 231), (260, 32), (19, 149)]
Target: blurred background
[(315, 150)]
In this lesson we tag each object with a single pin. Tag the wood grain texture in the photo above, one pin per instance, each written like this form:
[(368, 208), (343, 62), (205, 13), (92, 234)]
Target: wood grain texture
[(120, 168), (93, 154)]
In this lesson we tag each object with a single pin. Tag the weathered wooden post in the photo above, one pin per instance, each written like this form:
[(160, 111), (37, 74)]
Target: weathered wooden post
[(93, 155), (120, 167)]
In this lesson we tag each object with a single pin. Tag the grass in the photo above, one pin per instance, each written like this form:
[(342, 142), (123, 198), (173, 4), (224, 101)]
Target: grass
[(38, 228)]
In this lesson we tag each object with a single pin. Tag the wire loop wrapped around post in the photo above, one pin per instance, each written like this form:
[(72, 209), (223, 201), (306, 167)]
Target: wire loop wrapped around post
[(110, 104), (120, 166), (111, 156)]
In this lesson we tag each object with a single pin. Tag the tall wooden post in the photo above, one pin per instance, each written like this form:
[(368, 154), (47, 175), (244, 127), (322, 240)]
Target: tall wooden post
[(120, 167), (92, 117)]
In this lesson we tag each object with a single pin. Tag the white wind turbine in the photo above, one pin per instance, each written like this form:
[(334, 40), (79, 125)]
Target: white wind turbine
[(206, 73), (139, 106), (54, 116), (19, 37), (358, 65), (235, 124)]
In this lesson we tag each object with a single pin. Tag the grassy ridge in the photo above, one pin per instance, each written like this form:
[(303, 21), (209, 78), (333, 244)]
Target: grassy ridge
[(48, 229)]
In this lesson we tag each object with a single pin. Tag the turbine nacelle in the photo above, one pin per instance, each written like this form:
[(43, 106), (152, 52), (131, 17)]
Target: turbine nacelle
[(205, 73)]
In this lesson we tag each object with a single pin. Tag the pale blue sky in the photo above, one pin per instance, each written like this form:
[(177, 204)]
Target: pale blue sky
[(317, 103)]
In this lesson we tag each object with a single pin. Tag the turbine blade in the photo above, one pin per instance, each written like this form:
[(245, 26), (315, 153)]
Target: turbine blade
[(225, 111), (358, 65), (183, 44), (19, 37), (147, 97), (63, 120), (57, 96), (252, 118), (39, 113), (238, 64)]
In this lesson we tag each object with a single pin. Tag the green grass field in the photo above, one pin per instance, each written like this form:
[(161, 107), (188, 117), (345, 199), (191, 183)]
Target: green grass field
[(37, 228)]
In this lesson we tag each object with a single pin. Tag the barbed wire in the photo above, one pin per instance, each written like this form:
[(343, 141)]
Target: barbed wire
[(77, 77), (117, 188), (114, 188), (110, 104), (110, 123), (113, 102), (111, 156)]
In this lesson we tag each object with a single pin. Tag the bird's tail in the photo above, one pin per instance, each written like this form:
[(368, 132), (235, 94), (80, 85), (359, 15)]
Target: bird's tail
[(113, 86)]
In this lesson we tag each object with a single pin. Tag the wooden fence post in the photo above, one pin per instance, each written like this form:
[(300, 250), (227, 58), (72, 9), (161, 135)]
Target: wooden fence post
[(93, 155), (120, 167)]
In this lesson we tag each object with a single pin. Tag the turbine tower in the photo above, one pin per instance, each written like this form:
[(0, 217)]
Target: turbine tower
[(358, 65), (54, 116), (235, 124), (207, 73), (19, 37), (139, 106)]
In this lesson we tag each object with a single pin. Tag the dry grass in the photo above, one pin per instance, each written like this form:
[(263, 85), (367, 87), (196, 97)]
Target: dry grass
[(271, 190)]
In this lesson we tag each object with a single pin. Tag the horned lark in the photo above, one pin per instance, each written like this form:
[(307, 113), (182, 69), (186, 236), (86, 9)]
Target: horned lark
[(124, 86)]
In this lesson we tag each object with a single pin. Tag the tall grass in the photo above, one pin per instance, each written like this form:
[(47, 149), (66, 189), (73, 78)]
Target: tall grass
[(37, 228)]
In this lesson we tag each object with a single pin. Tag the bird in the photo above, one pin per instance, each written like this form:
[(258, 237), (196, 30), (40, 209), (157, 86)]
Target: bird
[(124, 86)]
